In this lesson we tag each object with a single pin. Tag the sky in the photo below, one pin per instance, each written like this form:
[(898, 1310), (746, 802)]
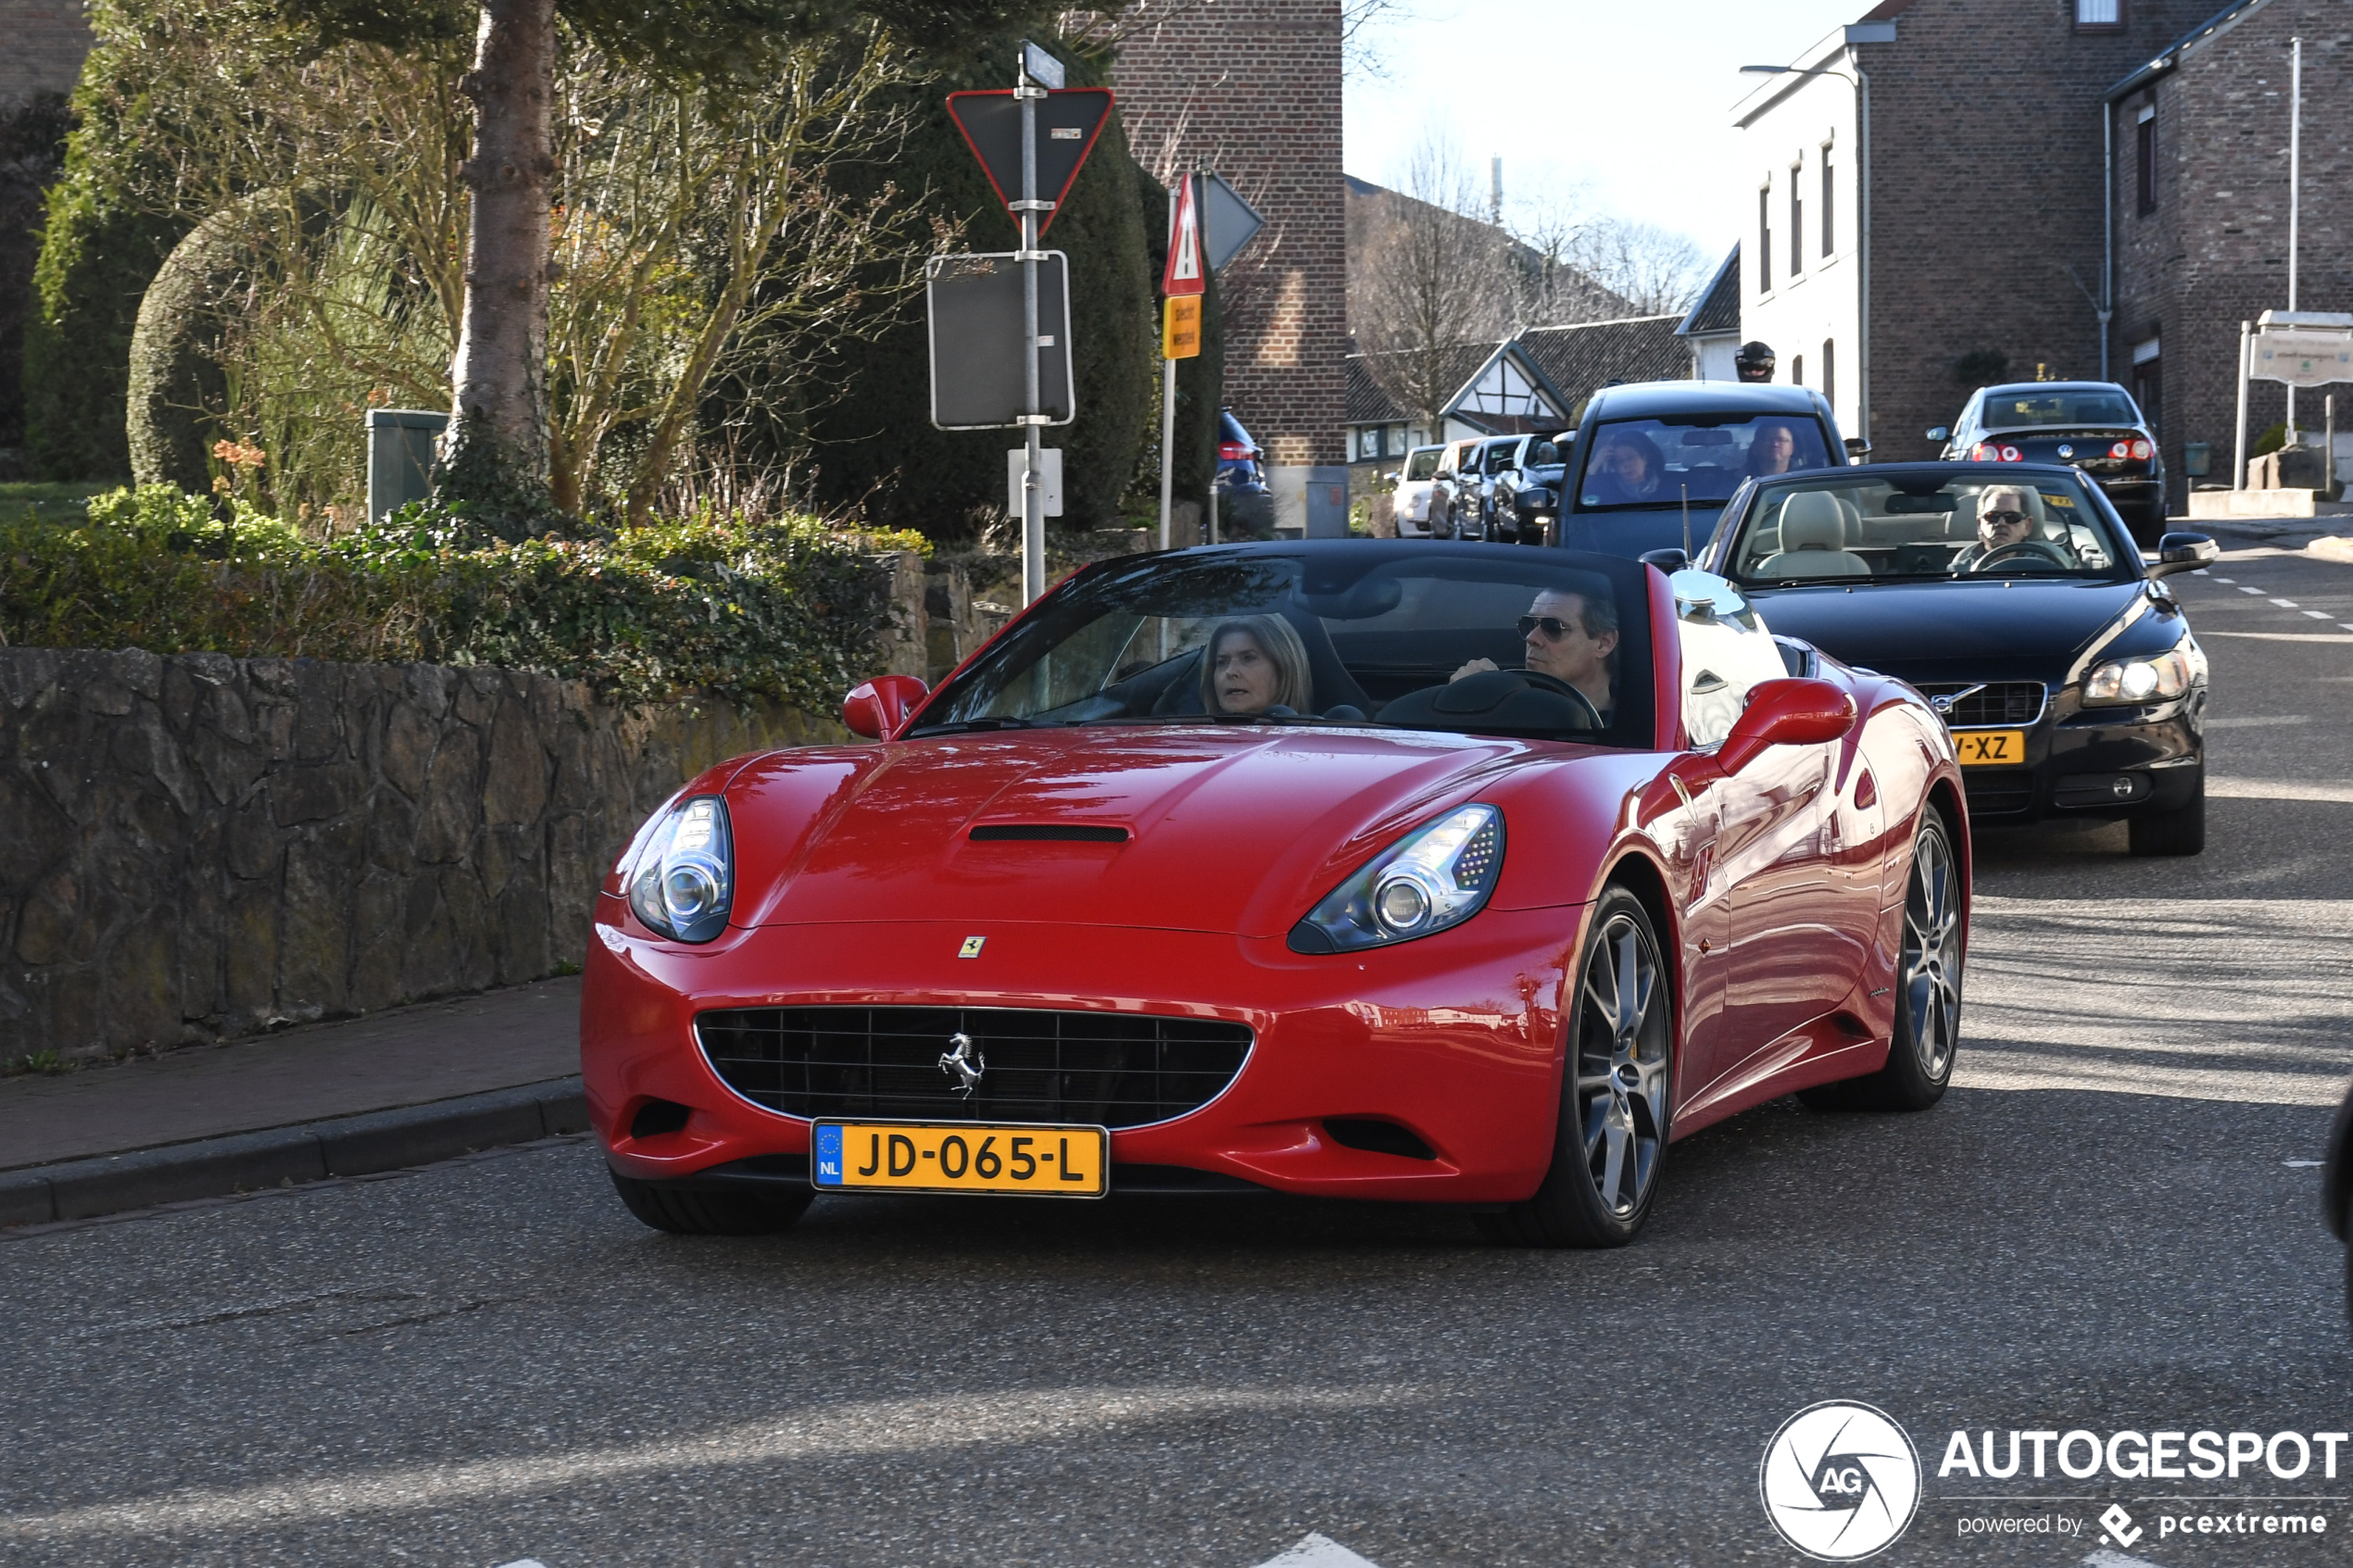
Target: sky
[(1622, 101)]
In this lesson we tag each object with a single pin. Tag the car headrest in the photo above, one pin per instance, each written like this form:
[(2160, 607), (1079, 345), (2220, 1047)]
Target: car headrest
[(1811, 520)]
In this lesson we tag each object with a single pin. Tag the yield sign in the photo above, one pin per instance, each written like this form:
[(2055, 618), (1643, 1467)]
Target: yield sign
[(1068, 124), (1185, 274)]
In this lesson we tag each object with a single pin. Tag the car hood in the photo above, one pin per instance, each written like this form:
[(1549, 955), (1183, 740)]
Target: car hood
[(1228, 830), (2010, 629)]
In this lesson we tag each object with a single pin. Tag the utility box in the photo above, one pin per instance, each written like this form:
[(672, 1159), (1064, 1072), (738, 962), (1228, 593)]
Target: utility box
[(400, 453), (1311, 502)]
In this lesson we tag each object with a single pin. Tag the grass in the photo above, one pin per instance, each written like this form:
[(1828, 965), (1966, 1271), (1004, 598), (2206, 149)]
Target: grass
[(49, 494), (46, 1062)]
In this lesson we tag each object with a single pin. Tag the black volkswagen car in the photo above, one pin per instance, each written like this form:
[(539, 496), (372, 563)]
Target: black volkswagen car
[(2093, 425), (2018, 604)]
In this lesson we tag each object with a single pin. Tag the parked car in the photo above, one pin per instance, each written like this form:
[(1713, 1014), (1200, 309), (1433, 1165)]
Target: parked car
[(1077, 924), (2065, 668), (1504, 466), (1536, 496), (1656, 461), (2093, 425), (1455, 487), (1245, 505), (1409, 505)]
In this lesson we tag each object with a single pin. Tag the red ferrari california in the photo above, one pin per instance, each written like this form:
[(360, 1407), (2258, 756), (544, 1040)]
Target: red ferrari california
[(1431, 872)]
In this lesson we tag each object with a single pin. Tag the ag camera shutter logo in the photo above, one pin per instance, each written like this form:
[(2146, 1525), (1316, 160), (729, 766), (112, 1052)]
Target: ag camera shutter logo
[(1840, 1481)]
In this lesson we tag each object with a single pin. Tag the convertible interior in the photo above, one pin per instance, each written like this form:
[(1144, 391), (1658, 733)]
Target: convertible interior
[(1875, 530)]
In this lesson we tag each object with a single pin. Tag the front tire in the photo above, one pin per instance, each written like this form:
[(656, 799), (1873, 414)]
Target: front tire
[(709, 1213), (1617, 1084), (2179, 831), (1928, 988)]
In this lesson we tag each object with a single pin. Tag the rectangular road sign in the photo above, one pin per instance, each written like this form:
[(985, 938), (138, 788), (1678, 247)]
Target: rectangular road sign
[(1180, 327), (974, 305), (1049, 480)]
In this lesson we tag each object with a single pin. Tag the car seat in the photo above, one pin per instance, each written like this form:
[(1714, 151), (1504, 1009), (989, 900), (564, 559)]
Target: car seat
[(1813, 540)]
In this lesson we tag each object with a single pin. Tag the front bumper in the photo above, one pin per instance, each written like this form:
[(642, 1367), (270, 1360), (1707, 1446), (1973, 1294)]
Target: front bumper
[(2096, 763), (1455, 1037)]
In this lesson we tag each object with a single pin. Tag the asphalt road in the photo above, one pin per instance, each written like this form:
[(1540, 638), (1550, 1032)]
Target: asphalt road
[(2105, 1227)]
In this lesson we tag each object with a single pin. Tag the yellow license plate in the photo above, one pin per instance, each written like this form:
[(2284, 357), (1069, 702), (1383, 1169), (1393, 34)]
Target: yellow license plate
[(1041, 1160), (1984, 748)]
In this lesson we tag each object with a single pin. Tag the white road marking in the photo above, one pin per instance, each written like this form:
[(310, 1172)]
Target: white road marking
[(2242, 587), (530, 1561), (2255, 721), (1073, 1415), (2284, 604), (2318, 614), (2346, 624), (1318, 1552), (2107, 1559), (2317, 790), (2303, 1164), (2285, 637), (2232, 580)]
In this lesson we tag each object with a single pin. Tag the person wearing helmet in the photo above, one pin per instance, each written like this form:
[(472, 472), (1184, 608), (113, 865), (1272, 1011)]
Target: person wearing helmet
[(1754, 362)]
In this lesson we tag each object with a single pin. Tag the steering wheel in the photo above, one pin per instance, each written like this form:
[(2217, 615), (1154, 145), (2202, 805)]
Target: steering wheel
[(2041, 547), (1538, 679)]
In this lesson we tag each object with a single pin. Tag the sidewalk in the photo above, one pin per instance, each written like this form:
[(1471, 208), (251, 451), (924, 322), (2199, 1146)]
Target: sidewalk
[(400, 1087)]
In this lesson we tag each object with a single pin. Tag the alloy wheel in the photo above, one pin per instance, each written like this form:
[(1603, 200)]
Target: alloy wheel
[(1932, 985), (1622, 1065)]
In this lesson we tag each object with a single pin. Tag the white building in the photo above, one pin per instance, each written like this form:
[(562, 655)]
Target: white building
[(1805, 273)]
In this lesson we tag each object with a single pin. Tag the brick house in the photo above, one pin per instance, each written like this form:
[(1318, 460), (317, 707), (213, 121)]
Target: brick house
[(2199, 137), (1252, 89), (1954, 149)]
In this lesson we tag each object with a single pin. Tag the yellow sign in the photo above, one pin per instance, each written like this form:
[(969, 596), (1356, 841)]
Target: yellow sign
[(1980, 748), (1180, 327), (1022, 1158)]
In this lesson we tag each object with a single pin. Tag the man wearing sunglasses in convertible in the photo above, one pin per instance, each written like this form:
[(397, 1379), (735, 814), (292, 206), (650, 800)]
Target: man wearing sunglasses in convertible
[(1571, 638)]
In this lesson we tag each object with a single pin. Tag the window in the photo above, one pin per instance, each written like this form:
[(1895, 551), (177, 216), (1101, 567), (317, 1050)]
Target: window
[(1654, 462), (1829, 190), (2145, 148), (1830, 370), (1797, 371), (1765, 240), (2099, 16), (1796, 222)]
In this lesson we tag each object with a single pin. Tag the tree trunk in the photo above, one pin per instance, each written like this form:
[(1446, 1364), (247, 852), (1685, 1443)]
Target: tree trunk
[(496, 454)]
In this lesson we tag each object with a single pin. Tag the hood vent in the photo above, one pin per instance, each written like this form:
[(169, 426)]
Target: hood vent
[(1049, 833)]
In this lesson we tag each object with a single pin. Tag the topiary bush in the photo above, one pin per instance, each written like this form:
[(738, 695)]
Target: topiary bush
[(794, 609)]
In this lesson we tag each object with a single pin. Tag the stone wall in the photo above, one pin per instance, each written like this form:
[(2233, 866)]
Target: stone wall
[(200, 846)]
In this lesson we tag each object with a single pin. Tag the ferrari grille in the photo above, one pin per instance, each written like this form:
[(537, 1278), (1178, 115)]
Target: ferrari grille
[(2002, 702), (1113, 1069)]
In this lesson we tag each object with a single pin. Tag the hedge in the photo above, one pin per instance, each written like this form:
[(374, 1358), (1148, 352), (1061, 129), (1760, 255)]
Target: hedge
[(794, 610)]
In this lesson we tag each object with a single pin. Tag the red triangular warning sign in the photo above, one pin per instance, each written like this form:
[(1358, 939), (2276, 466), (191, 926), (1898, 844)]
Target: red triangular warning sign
[(1185, 272)]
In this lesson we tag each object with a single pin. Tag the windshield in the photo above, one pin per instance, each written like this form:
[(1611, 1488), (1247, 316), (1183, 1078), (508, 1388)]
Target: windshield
[(1655, 462), (1548, 645), (2026, 407), (1915, 527), (1423, 463)]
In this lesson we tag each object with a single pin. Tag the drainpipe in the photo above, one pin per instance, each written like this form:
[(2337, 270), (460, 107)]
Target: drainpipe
[(2107, 227), (1863, 272)]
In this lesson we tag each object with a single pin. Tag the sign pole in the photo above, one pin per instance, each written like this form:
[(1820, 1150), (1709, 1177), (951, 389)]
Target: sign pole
[(1033, 510), (2247, 347)]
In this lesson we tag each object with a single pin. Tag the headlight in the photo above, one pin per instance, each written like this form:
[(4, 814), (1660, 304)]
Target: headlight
[(682, 880), (1436, 877), (2155, 679)]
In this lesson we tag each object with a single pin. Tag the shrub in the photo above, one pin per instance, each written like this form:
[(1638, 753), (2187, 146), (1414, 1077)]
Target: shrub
[(792, 610)]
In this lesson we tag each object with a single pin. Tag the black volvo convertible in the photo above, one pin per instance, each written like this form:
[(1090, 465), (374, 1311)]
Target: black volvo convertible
[(2019, 605)]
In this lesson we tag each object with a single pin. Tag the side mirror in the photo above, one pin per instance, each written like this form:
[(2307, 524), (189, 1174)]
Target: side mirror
[(1790, 711), (2184, 552), (1669, 561), (1940, 432), (1857, 449), (879, 709)]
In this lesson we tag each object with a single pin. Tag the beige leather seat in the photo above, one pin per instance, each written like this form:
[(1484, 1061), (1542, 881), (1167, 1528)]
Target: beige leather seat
[(1814, 539)]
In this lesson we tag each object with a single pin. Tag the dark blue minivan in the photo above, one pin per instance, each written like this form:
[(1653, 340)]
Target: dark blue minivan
[(1654, 462)]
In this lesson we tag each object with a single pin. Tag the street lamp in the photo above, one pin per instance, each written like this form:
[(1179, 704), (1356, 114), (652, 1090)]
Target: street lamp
[(1863, 219)]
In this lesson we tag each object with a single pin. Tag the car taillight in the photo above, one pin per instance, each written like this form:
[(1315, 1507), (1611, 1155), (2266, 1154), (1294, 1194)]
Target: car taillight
[(1988, 452), (1231, 451), (2142, 451), (2121, 449)]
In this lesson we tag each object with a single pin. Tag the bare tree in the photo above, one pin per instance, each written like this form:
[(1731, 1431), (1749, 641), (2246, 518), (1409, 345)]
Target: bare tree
[(1432, 279), (1656, 270), (1552, 228)]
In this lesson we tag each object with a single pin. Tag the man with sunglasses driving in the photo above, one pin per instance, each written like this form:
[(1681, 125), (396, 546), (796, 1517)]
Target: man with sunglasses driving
[(1571, 638), (2003, 525)]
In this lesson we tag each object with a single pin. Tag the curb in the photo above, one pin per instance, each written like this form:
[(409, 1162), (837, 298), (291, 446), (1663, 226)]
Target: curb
[(315, 1151)]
